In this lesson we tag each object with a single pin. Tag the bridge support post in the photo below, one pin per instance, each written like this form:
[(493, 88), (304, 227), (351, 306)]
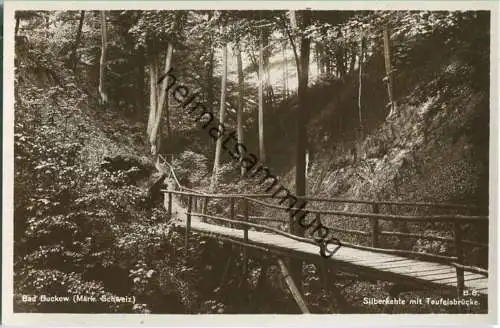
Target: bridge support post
[(293, 288), (296, 265), (169, 205), (459, 254), (374, 226), (245, 237), (231, 210), (228, 251), (205, 205), (188, 223), (195, 202)]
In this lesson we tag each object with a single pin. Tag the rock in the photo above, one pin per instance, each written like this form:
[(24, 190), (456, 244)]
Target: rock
[(141, 172), (157, 182), (136, 167)]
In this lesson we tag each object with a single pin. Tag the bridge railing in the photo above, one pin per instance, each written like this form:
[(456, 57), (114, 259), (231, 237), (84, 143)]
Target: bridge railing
[(239, 217)]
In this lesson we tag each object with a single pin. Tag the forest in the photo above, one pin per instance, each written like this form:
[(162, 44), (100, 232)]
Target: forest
[(114, 107)]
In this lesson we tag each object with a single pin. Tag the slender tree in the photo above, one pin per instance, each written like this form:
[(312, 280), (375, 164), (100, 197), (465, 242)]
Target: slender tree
[(241, 100), (360, 81), (388, 71), (102, 62), (162, 102), (352, 61), (153, 92), (18, 19), (209, 78), (262, 151), (302, 61), (285, 71), (139, 97), (74, 58), (222, 110), (210, 74), (302, 115), (294, 41), (266, 53)]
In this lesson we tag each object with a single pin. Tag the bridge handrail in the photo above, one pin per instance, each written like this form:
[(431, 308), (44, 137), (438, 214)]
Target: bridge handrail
[(258, 226), (470, 268), (452, 260), (341, 200), (179, 186), (390, 217), (439, 258), (317, 199), (433, 257), (390, 202), (364, 233)]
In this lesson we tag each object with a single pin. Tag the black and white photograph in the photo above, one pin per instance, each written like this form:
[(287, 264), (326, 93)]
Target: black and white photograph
[(260, 160)]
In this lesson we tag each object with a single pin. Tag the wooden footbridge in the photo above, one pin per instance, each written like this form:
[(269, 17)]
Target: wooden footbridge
[(369, 251)]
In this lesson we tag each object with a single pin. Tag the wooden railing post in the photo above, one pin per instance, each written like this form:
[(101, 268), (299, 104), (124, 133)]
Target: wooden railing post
[(459, 253), (169, 205), (317, 219), (188, 223), (374, 226), (231, 210), (195, 203), (291, 219), (245, 237), (205, 205)]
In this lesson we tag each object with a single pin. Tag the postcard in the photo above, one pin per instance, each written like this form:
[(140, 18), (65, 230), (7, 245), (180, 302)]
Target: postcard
[(250, 163)]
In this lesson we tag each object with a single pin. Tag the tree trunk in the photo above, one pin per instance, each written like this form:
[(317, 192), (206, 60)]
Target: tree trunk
[(388, 72), (267, 72), (293, 24), (209, 86), (321, 59), (102, 62), (167, 117), (17, 25), (360, 83), (340, 64), (352, 62), (153, 93), (285, 72), (210, 75), (302, 117), (329, 67), (154, 138), (210, 93), (218, 147), (241, 101), (139, 101), (317, 59), (262, 151), (74, 59)]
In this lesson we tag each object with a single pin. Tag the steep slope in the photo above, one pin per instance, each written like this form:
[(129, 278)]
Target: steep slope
[(434, 148), (436, 145)]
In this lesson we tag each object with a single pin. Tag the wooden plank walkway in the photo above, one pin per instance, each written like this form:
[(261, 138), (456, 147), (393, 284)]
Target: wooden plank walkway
[(421, 274), (440, 278)]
